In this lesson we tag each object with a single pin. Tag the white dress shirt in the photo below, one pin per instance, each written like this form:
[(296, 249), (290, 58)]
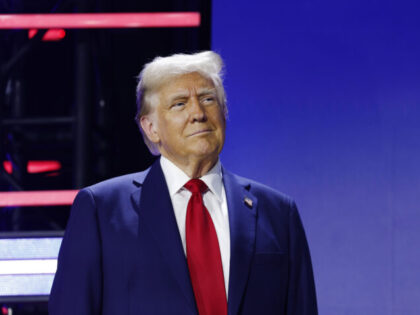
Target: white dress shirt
[(214, 200)]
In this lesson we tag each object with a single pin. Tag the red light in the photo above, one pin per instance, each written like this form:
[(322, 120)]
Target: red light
[(37, 198), (8, 167), (35, 167), (100, 20), (43, 166), (51, 35)]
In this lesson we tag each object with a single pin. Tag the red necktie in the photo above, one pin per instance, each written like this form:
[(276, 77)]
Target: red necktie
[(203, 254)]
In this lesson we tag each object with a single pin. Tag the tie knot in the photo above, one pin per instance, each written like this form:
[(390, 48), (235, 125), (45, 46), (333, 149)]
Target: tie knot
[(196, 186)]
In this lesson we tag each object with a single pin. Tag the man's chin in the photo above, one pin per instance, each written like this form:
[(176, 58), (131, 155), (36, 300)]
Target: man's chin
[(205, 147)]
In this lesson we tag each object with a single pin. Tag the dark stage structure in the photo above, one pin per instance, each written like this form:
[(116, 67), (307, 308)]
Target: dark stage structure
[(67, 108)]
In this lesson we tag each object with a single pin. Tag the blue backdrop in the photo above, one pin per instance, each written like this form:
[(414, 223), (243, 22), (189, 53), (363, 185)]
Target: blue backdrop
[(324, 101)]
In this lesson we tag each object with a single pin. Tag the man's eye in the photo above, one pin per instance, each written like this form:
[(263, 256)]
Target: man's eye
[(208, 100), (178, 104)]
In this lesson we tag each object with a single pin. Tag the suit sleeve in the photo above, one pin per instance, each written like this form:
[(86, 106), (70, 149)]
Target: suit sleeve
[(77, 287), (301, 298)]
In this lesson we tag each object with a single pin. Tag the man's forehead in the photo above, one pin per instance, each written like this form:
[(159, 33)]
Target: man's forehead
[(187, 84)]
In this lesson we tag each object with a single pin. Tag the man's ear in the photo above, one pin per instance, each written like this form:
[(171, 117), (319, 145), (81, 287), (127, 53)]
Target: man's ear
[(149, 126)]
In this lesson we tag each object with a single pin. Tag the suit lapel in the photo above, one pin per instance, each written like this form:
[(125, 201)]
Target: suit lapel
[(155, 208), (242, 207)]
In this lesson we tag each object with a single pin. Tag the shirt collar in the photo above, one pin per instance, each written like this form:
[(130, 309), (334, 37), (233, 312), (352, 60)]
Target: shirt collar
[(176, 178)]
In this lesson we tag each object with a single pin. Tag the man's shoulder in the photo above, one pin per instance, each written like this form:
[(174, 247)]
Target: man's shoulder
[(127, 183), (261, 190)]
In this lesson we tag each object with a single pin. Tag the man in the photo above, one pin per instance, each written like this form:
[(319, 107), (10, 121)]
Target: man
[(185, 236)]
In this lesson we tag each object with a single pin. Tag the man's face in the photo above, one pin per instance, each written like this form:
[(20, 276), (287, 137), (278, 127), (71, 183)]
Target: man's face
[(188, 123)]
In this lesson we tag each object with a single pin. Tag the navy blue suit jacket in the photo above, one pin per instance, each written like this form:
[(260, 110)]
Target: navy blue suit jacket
[(122, 252)]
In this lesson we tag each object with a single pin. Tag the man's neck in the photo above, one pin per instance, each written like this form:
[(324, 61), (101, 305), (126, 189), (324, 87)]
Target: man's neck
[(195, 168)]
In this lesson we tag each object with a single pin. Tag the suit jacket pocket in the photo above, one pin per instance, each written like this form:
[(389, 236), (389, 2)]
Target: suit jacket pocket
[(275, 258)]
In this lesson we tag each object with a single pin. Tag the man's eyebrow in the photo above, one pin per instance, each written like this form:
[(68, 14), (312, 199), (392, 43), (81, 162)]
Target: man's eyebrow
[(205, 91), (180, 94), (185, 94)]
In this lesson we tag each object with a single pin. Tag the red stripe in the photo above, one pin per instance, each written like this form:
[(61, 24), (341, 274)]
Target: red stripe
[(37, 198), (100, 20)]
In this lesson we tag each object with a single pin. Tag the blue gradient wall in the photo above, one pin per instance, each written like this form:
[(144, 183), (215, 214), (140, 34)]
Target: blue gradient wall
[(324, 100)]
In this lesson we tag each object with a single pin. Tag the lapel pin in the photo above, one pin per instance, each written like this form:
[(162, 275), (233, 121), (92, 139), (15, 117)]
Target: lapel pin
[(248, 202)]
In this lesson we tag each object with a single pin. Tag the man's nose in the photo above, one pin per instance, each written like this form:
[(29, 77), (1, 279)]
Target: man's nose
[(197, 111)]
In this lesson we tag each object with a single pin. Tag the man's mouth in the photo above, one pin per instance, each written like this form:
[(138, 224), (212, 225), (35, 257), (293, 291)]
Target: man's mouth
[(199, 132)]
